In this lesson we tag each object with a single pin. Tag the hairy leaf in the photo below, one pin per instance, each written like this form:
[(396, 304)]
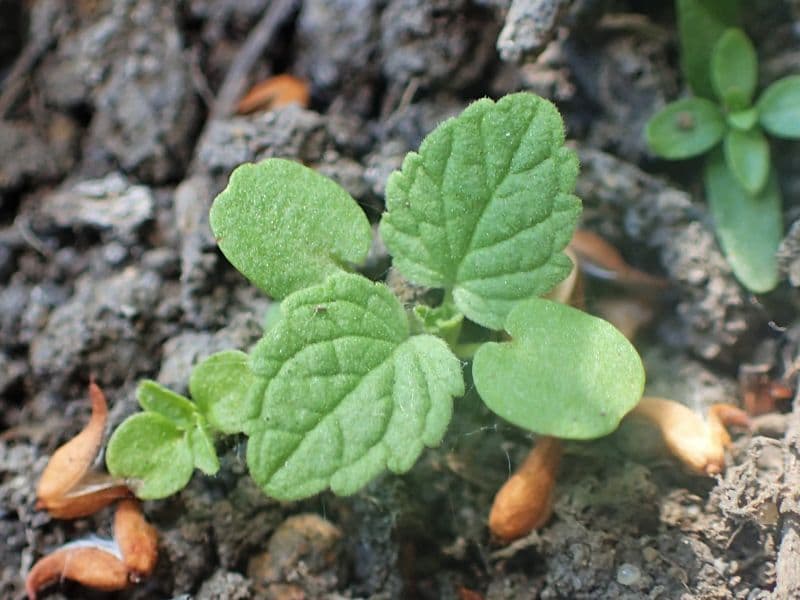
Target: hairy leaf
[(685, 128), (700, 24), (286, 227), (345, 391), (154, 397), (564, 373), (734, 69), (485, 208), (779, 108), (747, 155), (219, 385), (158, 449), (152, 453), (749, 227), (201, 442)]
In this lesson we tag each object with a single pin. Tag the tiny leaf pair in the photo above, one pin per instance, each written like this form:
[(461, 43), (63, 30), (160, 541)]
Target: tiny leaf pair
[(158, 449), (693, 126), (347, 382)]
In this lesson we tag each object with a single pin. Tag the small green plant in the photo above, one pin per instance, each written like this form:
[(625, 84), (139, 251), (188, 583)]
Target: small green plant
[(347, 382), (741, 185)]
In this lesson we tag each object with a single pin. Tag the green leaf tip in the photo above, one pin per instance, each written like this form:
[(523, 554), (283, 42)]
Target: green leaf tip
[(779, 108), (485, 207), (154, 397), (345, 392), (685, 128), (749, 226), (220, 386), (564, 373), (285, 227), (152, 453), (734, 69), (747, 156), (700, 25), (157, 450)]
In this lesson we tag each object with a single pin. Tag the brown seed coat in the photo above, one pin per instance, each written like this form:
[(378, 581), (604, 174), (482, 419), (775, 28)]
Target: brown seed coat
[(699, 444), (88, 565), (137, 540), (525, 502), (66, 489), (274, 92)]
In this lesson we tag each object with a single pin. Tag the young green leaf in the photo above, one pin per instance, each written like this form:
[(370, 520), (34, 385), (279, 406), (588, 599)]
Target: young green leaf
[(220, 385), (564, 373), (485, 208), (700, 24), (201, 443), (286, 227), (150, 450), (734, 69), (743, 120), (442, 321), (685, 128), (345, 392), (779, 108), (158, 449), (749, 227), (747, 155), (154, 397)]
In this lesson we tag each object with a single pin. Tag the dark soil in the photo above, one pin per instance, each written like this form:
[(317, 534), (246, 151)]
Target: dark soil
[(115, 135)]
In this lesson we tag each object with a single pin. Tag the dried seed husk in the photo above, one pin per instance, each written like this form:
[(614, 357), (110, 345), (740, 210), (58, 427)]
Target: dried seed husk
[(90, 565), (137, 539), (70, 462), (273, 93), (687, 436), (525, 502), (598, 258)]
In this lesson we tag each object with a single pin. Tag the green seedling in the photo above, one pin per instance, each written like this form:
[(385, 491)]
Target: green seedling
[(740, 183), (346, 382)]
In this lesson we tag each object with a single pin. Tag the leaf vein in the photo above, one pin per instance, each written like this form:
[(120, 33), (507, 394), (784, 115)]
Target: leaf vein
[(502, 180)]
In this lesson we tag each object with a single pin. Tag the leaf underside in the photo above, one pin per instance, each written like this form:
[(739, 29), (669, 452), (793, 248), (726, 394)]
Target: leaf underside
[(345, 392), (485, 208), (749, 226), (564, 373), (285, 227)]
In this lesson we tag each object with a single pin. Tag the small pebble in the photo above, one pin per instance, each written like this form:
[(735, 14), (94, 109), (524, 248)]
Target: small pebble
[(649, 554), (628, 574)]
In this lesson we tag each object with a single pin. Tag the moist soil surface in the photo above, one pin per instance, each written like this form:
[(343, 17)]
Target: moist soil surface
[(117, 129)]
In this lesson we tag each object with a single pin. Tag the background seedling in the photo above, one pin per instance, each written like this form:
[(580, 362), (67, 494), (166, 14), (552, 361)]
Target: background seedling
[(331, 398), (721, 66)]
